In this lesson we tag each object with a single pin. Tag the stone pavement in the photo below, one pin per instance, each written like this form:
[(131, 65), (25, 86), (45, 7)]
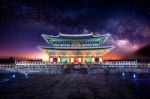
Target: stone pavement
[(72, 86)]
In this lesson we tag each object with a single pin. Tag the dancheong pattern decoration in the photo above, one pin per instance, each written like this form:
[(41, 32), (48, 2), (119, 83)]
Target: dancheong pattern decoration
[(76, 48)]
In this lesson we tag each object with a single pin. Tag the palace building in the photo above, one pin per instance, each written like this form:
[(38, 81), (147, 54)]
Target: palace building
[(76, 48)]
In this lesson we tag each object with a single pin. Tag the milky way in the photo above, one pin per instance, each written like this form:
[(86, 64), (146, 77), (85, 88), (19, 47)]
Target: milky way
[(23, 21)]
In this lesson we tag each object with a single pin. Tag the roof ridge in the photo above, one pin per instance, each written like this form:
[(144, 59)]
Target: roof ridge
[(89, 34)]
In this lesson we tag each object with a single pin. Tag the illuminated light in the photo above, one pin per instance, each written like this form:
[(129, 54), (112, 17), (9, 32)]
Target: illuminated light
[(58, 60), (75, 44), (13, 76), (51, 59), (93, 59), (79, 60), (134, 75), (100, 59), (83, 60), (26, 75), (63, 59), (123, 74), (76, 60), (88, 59), (72, 60), (44, 57)]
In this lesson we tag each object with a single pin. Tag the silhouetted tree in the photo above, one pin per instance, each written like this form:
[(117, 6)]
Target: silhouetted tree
[(9, 60)]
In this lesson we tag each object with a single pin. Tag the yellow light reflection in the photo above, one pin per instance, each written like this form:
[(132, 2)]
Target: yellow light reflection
[(43, 56)]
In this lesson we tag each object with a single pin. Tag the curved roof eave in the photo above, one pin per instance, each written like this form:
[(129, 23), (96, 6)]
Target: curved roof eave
[(45, 37), (106, 37), (74, 48)]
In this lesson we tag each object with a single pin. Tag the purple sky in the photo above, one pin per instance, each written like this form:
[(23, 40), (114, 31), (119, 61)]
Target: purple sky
[(23, 21)]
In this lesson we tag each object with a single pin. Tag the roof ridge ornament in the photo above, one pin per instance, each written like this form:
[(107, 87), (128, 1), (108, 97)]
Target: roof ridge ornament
[(89, 34)]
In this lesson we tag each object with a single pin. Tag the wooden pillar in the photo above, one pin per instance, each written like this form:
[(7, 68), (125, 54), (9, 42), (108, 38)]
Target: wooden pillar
[(69, 59), (49, 58), (82, 59)]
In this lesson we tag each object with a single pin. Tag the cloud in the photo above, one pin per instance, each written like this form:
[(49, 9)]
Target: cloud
[(124, 45)]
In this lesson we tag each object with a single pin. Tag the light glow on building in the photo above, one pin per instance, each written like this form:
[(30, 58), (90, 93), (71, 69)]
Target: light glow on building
[(76, 48), (44, 57)]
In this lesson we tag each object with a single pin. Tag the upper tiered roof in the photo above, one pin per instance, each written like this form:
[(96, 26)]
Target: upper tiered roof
[(50, 39), (77, 36)]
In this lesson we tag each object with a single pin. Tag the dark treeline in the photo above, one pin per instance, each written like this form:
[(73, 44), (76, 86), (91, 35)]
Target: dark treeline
[(9, 60)]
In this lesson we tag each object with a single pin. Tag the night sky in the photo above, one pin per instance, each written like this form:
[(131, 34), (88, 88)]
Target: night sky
[(23, 21)]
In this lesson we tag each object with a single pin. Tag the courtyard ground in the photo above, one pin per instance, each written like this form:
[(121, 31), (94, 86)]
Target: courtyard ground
[(75, 86)]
